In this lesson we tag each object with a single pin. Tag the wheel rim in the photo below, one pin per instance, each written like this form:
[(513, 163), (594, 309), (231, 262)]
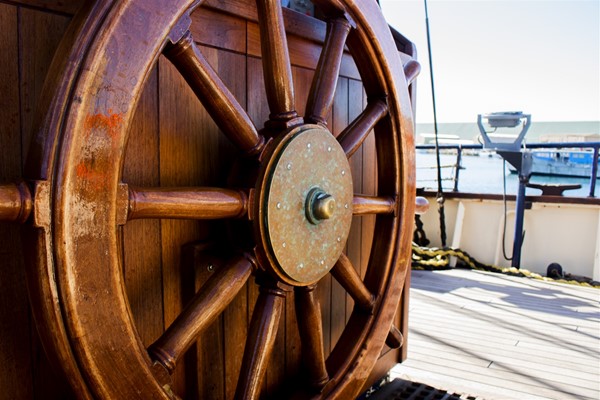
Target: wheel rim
[(87, 202)]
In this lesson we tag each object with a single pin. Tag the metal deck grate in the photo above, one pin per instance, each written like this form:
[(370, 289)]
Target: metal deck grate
[(400, 389)]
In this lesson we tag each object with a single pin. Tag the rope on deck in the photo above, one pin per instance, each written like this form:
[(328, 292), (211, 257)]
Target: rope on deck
[(426, 258)]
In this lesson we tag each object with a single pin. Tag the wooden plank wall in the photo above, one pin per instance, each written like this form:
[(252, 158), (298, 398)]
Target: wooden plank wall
[(29, 35), (172, 143)]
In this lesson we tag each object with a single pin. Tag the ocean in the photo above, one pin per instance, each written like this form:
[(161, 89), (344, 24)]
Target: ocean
[(485, 175)]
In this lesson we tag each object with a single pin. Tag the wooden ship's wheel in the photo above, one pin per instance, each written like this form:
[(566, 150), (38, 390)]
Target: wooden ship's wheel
[(287, 208)]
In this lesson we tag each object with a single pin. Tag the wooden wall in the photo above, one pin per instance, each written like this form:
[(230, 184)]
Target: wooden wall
[(29, 35), (172, 143)]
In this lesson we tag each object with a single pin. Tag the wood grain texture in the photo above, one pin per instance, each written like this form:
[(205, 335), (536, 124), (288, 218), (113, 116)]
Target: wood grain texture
[(68, 7), (345, 273), (325, 286), (302, 53), (209, 368), (10, 100), (15, 202), (276, 60), (235, 329), (260, 344), (141, 239), (233, 70), (293, 347), (511, 344), (173, 142), (355, 107), (39, 36), (257, 109), (39, 33), (324, 84), (365, 205), (214, 95), (305, 35), (245, 9), (358, 130), (338, 297), (275, 369), (185, 131), (15, 341), (186, 203), (206, 306), (216, 29), (194, 156), (310, 324), (369, 178)]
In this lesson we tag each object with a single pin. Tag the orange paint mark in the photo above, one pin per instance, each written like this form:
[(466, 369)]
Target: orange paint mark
[(110, 123), (82, 170), (96, 152), (95, 180)]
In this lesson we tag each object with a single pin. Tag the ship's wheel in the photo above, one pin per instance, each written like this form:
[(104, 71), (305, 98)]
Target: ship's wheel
[(298, 206)]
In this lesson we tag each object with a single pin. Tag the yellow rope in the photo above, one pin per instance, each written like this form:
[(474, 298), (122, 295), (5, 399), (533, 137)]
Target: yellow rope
[(432, 258)]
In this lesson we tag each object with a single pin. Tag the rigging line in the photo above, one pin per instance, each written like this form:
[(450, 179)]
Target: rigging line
[(440, 191)]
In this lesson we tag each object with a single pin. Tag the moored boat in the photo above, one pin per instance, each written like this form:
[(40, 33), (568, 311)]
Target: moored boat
[(562, 162)]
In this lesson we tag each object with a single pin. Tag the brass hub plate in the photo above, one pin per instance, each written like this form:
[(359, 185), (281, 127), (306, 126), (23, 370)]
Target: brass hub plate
[(304, 250)]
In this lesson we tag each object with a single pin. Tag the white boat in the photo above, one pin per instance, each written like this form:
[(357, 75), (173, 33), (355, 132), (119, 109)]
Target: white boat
[(569, 163), (429, 138)]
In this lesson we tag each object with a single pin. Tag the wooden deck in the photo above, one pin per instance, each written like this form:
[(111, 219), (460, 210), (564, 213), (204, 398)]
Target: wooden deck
[(500, 337)]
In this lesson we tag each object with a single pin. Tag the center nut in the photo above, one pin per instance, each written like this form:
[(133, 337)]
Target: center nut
[(319, 206), (306, 205)]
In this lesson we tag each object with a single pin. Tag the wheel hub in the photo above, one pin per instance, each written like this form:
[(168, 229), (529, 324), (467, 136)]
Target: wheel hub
[(306, 205)]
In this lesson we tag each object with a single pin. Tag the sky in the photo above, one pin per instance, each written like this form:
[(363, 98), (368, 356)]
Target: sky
[(541, 57)]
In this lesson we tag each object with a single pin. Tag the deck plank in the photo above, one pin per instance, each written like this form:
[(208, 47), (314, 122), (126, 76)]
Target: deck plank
[(503, 337), (499, 330), (487, 352)]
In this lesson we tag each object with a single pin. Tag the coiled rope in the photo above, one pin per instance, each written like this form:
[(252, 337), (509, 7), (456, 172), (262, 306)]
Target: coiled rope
[(425, 258)]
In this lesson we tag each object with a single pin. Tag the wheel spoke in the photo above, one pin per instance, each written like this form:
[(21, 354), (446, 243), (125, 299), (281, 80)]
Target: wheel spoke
[(188, 203), (222, 106), (15, 202), (421, 205), (324, 82), (260, 341), (208, 303), (310, 326), (394, 339), (411, 70), (346, 275), (277, 68), (365, 205), (355, 134)]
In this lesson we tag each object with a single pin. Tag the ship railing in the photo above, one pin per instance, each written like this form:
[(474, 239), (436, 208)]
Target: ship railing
[(459, 148)]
